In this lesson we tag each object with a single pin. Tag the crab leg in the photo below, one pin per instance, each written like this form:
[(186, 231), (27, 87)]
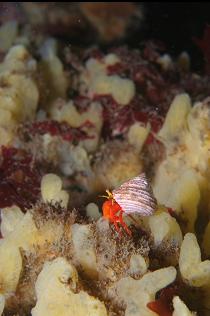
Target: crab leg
[(123, 223)]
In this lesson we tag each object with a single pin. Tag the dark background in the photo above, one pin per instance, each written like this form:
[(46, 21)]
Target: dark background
[(176, 23)]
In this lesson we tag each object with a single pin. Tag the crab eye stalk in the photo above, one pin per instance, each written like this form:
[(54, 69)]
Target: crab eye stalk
[(110, 195)]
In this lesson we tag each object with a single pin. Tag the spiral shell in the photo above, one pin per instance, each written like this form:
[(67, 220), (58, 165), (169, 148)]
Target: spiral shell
[(136, 196)]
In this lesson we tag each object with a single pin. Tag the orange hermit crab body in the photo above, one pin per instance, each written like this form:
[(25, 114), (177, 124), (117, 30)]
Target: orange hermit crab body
[(114, 213)]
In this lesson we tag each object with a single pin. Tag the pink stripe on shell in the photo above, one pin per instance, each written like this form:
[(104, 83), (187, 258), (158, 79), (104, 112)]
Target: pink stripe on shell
[(136, 196)]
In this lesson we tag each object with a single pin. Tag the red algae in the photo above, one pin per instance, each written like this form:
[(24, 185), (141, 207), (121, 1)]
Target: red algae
[(163, 305), (117, 119), (20, 179), (55, 128)]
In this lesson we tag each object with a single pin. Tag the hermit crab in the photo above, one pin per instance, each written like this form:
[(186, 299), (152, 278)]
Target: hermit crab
[(133, 196)]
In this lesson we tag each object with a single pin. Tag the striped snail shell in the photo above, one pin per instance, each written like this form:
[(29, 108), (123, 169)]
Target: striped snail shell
[(136, 196)]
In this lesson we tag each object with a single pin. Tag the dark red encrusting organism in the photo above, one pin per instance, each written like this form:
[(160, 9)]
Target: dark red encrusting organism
[(55, 128), (171, 212), (118, 119), (163, 305), (155, 121), (82, 103), (204, 45), (152, 82), (155, 85), (20, 178), (155, 88)]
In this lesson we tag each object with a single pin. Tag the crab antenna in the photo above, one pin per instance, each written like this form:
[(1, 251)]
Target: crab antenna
[(108, 196), (104, 196)]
